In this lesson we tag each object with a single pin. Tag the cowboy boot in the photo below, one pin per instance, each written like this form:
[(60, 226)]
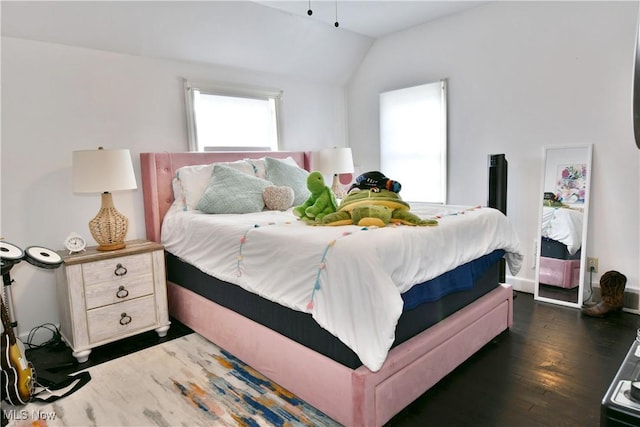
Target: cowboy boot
[(612, 284)]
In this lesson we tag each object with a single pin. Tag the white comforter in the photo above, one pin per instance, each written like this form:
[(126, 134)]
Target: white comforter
[(563, 225), (349, 278)]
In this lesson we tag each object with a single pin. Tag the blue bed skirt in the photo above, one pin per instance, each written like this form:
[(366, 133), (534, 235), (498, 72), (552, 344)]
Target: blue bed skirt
[(459, 279)]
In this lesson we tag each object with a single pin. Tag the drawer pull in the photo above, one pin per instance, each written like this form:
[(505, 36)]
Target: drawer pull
[(120, 270), (125, 319), (122, 292)]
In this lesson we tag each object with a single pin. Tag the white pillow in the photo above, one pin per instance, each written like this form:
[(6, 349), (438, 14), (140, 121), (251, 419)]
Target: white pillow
[(178, 195), (195, 179)]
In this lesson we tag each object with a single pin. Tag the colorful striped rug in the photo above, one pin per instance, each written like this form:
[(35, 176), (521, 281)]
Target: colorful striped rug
[(184, 382)]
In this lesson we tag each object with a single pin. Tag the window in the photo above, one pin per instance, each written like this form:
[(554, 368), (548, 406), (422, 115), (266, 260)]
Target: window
[(231, 118), (413, 140)]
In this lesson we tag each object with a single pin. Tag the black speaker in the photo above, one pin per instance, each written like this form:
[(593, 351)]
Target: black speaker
[(498, 193), (498, 182)]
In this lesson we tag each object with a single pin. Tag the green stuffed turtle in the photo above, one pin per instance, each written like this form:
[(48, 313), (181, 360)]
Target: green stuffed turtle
[(374, 208), (321, 202)]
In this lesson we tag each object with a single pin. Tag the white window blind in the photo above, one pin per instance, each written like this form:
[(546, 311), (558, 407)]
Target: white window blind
[(413, 140), (231, 118)]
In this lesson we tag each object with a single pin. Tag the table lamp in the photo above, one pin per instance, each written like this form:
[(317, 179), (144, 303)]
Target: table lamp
[(335, 161), (104, 171)]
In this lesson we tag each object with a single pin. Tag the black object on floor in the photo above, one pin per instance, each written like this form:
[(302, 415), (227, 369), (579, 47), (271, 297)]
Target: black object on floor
[(55, 362)]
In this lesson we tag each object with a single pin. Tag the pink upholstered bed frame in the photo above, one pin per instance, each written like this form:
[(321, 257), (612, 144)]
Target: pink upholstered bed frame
[(352, 397)]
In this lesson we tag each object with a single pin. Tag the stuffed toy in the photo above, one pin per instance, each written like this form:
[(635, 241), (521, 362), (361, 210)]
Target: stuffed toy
[(551, 200), (375, 179), (321, 202), (374, 208)]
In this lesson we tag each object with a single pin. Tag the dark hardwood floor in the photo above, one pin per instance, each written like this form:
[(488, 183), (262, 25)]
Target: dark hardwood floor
[(552, 368)]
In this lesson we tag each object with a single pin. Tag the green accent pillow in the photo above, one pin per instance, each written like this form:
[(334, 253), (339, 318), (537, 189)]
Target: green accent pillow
[(232, 192), (284, 174)]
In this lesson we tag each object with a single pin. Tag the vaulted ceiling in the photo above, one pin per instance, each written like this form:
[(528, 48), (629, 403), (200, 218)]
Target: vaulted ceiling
[(269, 36), (373, 18)]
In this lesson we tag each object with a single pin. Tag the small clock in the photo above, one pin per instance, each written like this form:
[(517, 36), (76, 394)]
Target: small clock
[(75, 243)]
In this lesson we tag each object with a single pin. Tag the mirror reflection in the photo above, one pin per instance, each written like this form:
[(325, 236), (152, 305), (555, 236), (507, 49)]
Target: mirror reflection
[(564, 200)]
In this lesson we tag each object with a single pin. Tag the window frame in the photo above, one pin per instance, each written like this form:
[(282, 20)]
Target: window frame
[(230, 90)]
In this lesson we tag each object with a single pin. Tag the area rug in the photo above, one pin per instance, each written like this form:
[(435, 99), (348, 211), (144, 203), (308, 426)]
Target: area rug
[(184, 382)]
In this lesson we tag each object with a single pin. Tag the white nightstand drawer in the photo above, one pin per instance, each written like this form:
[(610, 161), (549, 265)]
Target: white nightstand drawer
[(119, 290), (116, 268), (119, 320)]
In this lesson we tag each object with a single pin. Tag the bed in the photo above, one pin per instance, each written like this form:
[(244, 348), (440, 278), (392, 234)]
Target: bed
[(560, 246), (344, 381)]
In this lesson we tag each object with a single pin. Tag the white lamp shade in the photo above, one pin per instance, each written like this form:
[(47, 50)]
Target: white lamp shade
[(99, 171), (334, 161)]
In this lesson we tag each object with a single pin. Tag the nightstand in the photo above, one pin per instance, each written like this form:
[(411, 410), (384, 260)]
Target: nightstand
[(107, 296)]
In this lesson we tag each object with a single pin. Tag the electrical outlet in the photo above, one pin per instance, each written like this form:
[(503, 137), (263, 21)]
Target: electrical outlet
[(592, 264)]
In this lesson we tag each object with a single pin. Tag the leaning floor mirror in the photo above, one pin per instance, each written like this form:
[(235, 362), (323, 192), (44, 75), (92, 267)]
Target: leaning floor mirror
[(562, 227)]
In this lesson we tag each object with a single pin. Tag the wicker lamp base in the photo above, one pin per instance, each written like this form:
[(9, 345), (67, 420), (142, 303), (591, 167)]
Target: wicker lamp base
[(109, 227), (337, 187)]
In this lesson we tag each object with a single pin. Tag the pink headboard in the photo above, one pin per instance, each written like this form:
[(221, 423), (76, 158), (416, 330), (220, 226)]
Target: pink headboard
[(158, 170)]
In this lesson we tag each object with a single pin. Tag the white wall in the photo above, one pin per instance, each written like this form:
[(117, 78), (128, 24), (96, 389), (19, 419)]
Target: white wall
[(56, 99), (522, 75)]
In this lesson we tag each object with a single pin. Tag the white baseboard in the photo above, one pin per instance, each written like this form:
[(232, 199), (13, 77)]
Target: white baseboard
[(631, 298), (521, 285)]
